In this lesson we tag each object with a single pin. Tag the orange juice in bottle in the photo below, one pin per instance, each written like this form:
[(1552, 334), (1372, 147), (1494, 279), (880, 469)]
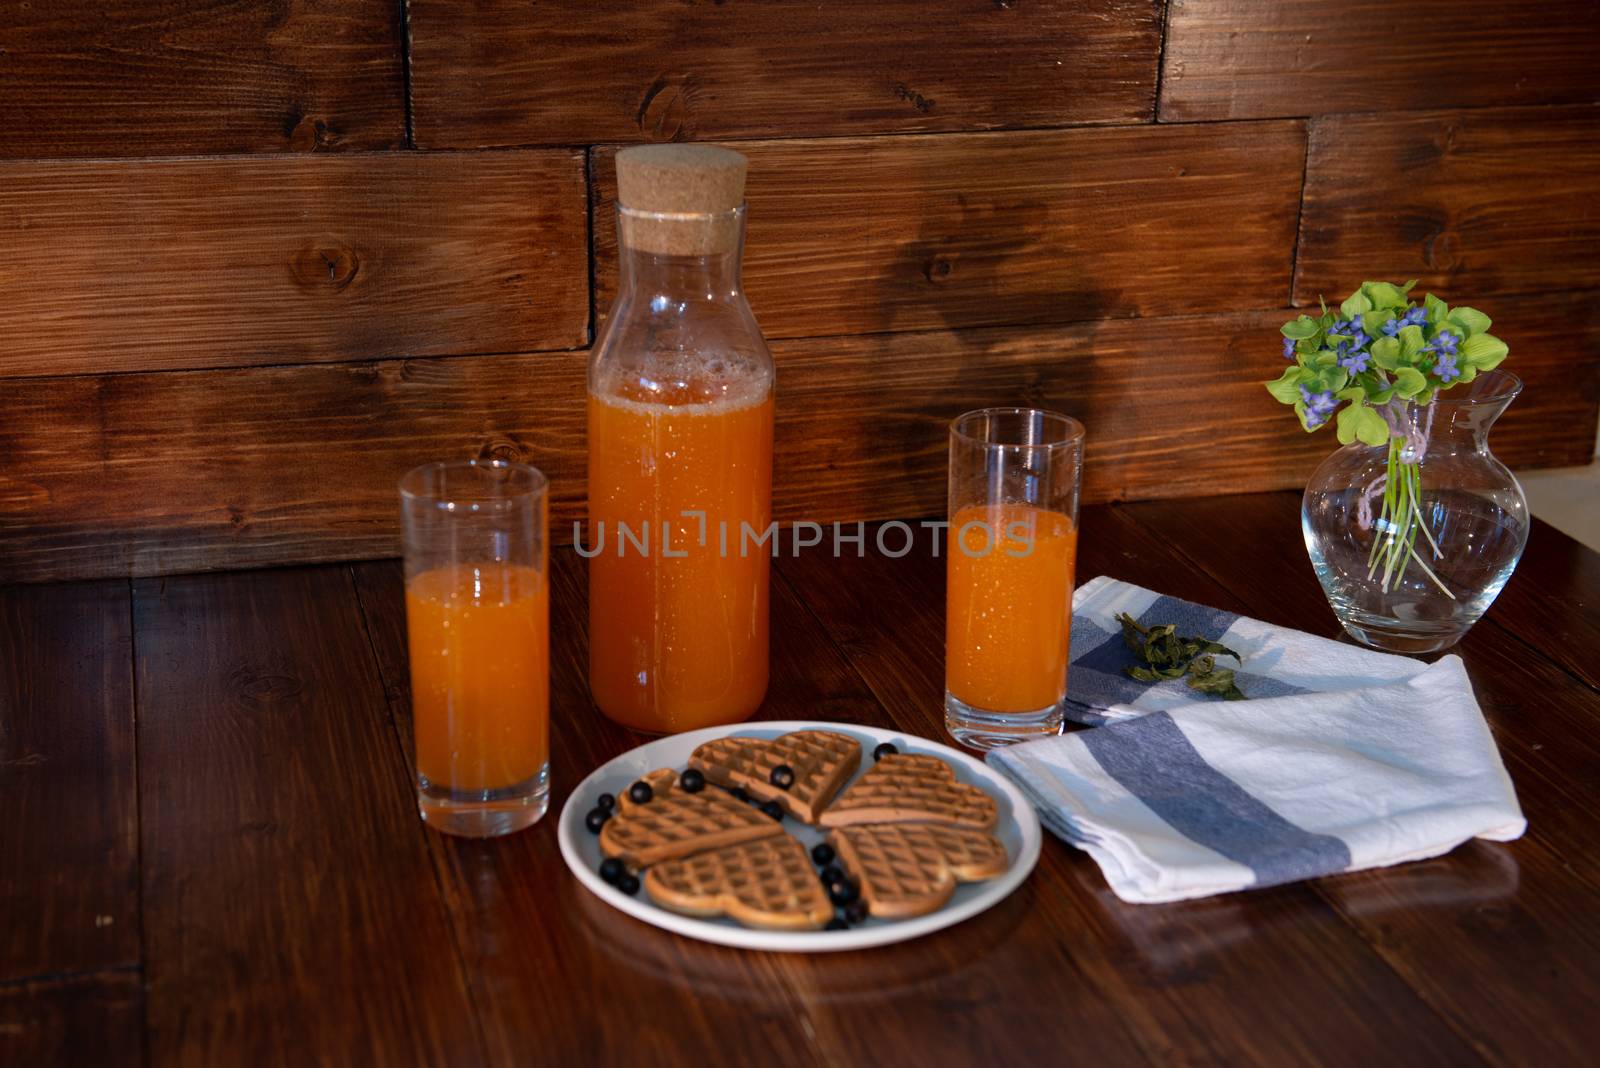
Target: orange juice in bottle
[(680, 420)]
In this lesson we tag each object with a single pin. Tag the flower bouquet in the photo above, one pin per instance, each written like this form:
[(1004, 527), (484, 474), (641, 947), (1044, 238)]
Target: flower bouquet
[(1373, 368)]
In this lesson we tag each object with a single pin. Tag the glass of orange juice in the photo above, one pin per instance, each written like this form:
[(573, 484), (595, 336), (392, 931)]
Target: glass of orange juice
[(478, 629), (1013, 544)]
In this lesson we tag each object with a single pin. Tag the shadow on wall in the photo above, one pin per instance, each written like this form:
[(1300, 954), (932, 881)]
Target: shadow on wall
[(966, 264)]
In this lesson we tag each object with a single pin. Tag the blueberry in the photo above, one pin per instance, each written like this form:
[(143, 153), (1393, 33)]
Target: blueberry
[(611, 870), (773, 809), (855, 912), (836, 924), (831, 874), (640, 793), (822, 854), (605, 802), (782, 777), (692, 781), (628, 884), (738, 794), (843, 892), (595, 819), (886, 749)]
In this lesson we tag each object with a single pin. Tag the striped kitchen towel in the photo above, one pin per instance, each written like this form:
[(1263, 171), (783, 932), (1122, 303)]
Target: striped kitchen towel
[(1277, 661), (1216, 796)]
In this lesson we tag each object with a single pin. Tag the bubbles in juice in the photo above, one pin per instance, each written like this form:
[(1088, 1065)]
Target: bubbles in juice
[(480, 674), (1008, 613), (679, 469)]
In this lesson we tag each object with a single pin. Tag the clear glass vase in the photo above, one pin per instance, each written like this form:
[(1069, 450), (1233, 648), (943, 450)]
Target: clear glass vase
[(1413, 540)]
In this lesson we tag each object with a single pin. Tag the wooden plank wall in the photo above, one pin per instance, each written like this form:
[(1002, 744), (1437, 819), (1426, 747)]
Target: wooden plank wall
[(257, 260)]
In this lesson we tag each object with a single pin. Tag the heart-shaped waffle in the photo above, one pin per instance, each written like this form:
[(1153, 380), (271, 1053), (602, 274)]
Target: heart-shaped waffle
[(910, 788), (910, 869), (675, 823), (765, 883), (822, 762)]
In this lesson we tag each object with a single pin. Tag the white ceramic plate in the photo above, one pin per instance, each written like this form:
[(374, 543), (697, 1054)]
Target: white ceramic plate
[(1018, 829)]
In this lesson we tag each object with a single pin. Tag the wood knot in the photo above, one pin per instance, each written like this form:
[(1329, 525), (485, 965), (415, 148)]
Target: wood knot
[(664, 111), (326, 264), (937, 268), (1441, 250), (501, 447), (257, 688), (307, 134), (912, 97)]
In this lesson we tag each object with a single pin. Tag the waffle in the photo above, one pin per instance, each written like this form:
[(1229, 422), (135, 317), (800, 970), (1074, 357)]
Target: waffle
[(822, 762), (910, 788), (910, 869), (765, 883), (675, 823)]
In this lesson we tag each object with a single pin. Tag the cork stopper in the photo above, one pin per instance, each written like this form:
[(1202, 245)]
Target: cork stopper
[(681, 179)]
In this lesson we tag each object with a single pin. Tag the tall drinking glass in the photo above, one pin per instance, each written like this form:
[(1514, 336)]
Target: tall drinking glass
[(478, 623), (1014, 479)]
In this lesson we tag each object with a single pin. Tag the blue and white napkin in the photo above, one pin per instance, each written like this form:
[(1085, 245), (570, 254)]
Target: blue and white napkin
[(1207, 796), (1278, 662)]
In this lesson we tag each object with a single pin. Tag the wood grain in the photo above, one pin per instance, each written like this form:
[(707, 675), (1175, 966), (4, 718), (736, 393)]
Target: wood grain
[(494, 72), (1505, 910), (1252, 59), (1475, 204), (1194, 969), (86, 78), (93, 1019), (264, 465), (1171, 406), (161, 473), (1552, 601), (123, 266), (290, 908), (69, 879), (913, 233)]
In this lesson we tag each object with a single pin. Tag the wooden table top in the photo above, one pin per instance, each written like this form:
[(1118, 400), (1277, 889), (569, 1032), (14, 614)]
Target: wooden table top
[(213, 854)]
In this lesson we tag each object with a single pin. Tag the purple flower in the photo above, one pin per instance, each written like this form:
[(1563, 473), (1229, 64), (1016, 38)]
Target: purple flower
[(1351, 358), (1318, 405), (1354, 362), (1356, 343), (1288, 348), (1413, 317), (1444, 365), (1444, 344)]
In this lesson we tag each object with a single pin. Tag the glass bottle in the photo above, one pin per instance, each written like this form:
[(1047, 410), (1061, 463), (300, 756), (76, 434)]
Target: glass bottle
[(1470, 522), (680, 454)]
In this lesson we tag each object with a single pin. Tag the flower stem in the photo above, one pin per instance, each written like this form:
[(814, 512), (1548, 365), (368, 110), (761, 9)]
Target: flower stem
[(1415, 487), (1394, 544)]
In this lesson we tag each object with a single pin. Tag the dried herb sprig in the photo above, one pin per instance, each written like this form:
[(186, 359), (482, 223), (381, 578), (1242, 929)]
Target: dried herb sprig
[(1166, 655)]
